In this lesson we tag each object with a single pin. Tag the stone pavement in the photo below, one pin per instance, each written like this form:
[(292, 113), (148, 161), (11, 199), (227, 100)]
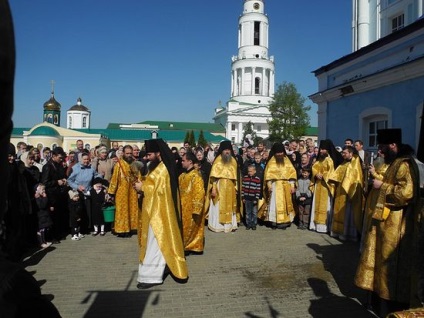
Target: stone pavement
[(262, 273)]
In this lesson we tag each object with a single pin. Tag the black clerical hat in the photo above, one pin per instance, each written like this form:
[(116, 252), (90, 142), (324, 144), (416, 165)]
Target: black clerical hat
[(389, 136)]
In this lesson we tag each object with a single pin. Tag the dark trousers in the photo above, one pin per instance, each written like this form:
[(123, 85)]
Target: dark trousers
[(304, 214)]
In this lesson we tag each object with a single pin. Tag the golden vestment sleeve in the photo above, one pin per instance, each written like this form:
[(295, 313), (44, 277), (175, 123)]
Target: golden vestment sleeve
[(114, 180), (158, 211)]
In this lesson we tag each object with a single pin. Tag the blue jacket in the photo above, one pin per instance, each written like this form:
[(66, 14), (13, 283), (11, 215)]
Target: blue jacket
[(82, 175)]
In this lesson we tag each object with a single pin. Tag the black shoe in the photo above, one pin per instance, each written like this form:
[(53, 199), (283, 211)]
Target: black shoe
[(254, 228), (247, 227), (147, 285), (95, 233)]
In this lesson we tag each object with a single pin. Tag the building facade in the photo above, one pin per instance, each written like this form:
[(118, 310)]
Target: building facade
[(375, 19), (252, 76), (377, 86)]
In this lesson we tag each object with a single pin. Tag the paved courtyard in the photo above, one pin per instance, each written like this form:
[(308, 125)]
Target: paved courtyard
[(262, 273)]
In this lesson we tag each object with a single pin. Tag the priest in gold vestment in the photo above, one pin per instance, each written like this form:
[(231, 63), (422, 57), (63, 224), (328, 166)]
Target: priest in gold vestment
[(387, 264), (192, 193), (121, 188), (161, 239), (322, 202), (279, 184), (223, 203), (348, 197)]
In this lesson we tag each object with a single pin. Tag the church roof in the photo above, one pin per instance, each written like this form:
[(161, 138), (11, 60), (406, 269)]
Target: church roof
[(175, 125), (45, 131), (79, 106), (52, 104)]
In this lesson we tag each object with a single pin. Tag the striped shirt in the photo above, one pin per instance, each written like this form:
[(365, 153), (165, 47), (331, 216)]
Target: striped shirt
[(251, 188)]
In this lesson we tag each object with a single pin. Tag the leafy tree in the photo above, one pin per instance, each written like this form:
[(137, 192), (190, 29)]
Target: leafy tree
[(191, 139), (201, 141), (187, 137), (289, 114)]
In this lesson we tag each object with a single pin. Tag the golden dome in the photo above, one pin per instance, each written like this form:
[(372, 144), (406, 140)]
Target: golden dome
[(52, 104)]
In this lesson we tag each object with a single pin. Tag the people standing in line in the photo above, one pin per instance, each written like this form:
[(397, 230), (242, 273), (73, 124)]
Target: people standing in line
[(125, 196), (251, 193), (53, 177), (322, 203), (161, 242), (304, 198), (389, 257), (279, 185), (192, 193), (348, 196), (223, 204)]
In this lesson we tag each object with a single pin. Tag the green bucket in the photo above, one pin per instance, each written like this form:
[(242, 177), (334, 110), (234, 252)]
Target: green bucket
[(109, 213)]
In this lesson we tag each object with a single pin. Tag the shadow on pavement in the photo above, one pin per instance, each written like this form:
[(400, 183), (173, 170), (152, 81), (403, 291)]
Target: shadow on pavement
[(273, 313), (128, 304), (331, 305), (341, 261)]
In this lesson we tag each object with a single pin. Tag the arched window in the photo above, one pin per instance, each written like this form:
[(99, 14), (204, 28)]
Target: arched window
[(70, 121), (84, 122), (370, 121)]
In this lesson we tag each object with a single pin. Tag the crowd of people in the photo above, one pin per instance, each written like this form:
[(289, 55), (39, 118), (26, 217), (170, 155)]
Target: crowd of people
[(166, 196)]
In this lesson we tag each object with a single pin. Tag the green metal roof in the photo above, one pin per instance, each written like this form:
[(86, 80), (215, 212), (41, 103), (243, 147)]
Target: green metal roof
[(176, 125), (45, 131), (312, 131), (18, 131), (137, 135)]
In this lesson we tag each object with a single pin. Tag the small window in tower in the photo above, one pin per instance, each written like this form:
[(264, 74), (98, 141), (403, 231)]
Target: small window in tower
[(398, 22), (257, 85), (84, 122), (233, 127), (70, 121), (256, 33)]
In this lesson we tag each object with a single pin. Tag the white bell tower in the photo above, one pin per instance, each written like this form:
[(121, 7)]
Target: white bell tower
[(252, 69), (252, 76)]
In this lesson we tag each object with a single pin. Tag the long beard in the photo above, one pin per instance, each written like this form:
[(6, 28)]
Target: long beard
[(279, 160), (389, 156), (153, 164), (128, 159), (226, 158)]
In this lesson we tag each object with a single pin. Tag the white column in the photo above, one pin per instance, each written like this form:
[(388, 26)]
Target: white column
[(271, 82), (233, 76), (264, 92), (253, 81), (363, 23), (419, 9), (228, 132), (240, 132), (242, 82)]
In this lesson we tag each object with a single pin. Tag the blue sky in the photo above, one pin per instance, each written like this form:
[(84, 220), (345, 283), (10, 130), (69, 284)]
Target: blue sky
[(137, 60)]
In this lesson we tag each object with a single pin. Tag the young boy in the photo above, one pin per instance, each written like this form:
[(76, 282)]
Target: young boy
[(43, 214), (304, 198), (75, 210), (251, 190)]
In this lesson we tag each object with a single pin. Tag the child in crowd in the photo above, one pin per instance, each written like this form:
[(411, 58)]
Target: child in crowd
[(251, 190), (304, 198), (75, 210), (98, 196), (43, 214)]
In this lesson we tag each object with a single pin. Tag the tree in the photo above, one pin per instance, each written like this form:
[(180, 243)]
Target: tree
[(191, 139), (201, 141), (289, 114), (187, 137)]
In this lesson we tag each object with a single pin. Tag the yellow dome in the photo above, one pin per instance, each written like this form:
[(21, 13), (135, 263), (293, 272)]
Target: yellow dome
[(52, 104)]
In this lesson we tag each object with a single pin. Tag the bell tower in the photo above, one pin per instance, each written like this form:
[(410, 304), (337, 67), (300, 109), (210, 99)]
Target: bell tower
[(252, 77), (253, 69)]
